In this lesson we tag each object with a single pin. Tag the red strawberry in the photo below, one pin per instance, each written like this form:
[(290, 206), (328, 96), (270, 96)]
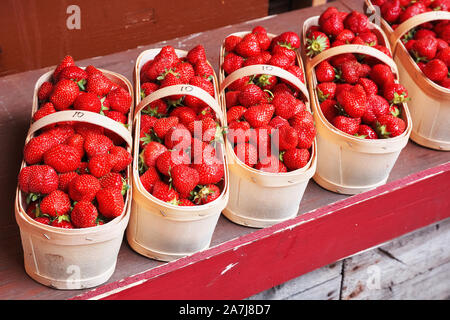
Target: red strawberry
[(65, 179), (286, 50), (119, 100), (356, 22), (232, 62), (101, 164), (66, 62), (329, 109), (296, 71), (290, 38), (266, 81), (353, 101), (63, 158), (113, 180), (345, 36), (444, 55), (163, 125), (259, 115), (44, 91), (121, 158), (238, 131), (88, 101), (285, 138), (149, 178), (43, 111), (117, 116), (271, 164), (76, 141), (95, 144), (203, 69), (425, 48), (369, 86), (151, 152), (445, 83), (64, 94), (184, 179), (231, 42), (325, 72), (207, 194), (366, 132), (390, 10), (376, 106), (38, 179), (239, 84), (57, 203), (263, 40), (412, 10), (235, 113), (316, 43), (333, 25), (422, 33), (202, 151), (178, 137), (171, 80), (185, 203), (211, 170), (389, 126), (62, 222), (326, 90), (148, 88), (73, 73), (350, 72), (436, 70), (346, 124), (338, 60), (184, 71), (110, 202), (43, 220), (165, 193), (295, 159), (381, 74), (303, 122), (286, 106), (262, 138), (84, 215), (247, 153), (84, 187), (395, 93), (86, 129), (280, 60), (248, 46), (169, 159), (99, 84), (202, 83), (251, 95), (196, 54)]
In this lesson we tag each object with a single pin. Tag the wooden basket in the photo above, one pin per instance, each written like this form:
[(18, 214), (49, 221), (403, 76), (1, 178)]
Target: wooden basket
[(430, 102), (159, 230), (260, 199), (348, 164), (73, 258)]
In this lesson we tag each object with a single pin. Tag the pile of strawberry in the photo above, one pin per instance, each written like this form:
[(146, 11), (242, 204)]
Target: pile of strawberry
[(427, 43), (268, 123), (74, 88), (75, 173), (180, 135), (357, 93)]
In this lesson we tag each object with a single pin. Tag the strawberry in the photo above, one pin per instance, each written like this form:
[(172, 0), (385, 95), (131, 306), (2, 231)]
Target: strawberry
[(210, 130), (356, 22), (211, 170), (235, 113), (248, 46), (84, 214), (86, 129), (148, 88), (110, 202), (329, 109), (425, 48), (286, 106), (350, 72), (165, 193), (366, 132), (316, 43), (326, 90), (207, 194), (338, 60), (84, 187), (196, 54), (280, 60), (38, 179), (202, 151), (121, 158), (389, 126), (303, 123), (263, 40), (325, 72), (98, 84), (57, 203), (232, 62), (353, 102), (73, 73), (149, 178), (171, 80), (262, 139), (266, 81), (289, 38), (178, 137), (87, 101), (376, 106), (44, 110), (445, 83), (250, 95), (296, 71), (333, 25), (66, 62), (184, 71), (271, 164), (444, 55), (369, 86), (239, 84), (117, 116), (259, 115), (381, 74), (295, 159), (95, 144), (163, 125), (64, 94), (167, 160), (65, 179), (422, 33), (346, 124), (395, 93), (61, 222), (284, 49), (203, 69), (435, 70), (43, 220), (345, 36), (412, 10), (44, 91), (247, 153), (63, 158), (151, 152), (113, 180), (285, 137), (184, 179), (101, 164), (390, 10), (202, 83), (238, 131), (327, 13), (185, 203), (231, 42), (147, 122), (119, 100)]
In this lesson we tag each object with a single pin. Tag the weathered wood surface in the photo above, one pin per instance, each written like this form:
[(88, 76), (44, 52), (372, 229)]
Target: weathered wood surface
[(415, 266)]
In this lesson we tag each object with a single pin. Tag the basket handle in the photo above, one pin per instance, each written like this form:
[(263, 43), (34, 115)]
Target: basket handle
[(183, 89), (414, 22), (264, 69), (353, 48), (82, 116)]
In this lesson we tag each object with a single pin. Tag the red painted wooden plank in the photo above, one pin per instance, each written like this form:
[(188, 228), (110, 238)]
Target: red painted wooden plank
[(252, 263)]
